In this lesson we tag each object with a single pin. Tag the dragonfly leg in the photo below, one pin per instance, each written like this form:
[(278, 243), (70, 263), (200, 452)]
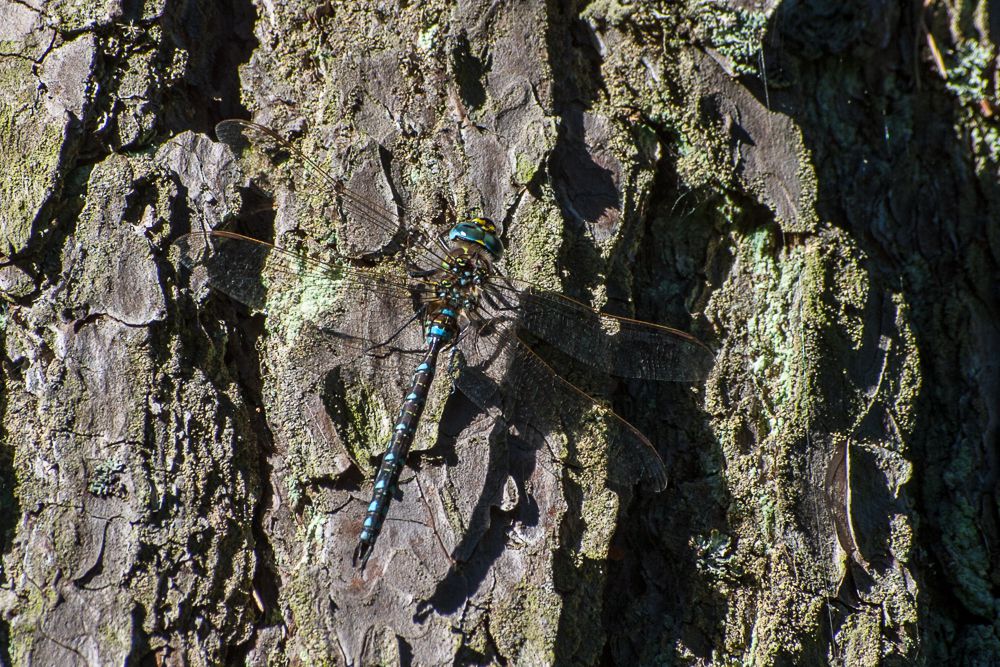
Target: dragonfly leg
[(398, 331), (499, 301)]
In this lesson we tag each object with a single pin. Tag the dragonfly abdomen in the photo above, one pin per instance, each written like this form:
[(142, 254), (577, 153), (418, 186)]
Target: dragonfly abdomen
[(440, 330)]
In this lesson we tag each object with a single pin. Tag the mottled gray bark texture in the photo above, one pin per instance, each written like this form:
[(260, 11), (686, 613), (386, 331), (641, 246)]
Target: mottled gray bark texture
[(809, 187)]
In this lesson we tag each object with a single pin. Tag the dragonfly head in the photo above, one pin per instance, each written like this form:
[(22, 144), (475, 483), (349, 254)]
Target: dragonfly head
[(482, 232)]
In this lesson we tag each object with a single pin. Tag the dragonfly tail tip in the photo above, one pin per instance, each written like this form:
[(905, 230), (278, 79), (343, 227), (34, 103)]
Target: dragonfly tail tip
[(361, 554)]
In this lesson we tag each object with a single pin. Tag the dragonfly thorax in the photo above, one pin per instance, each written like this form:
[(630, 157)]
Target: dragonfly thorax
[(463, 272), (456, 286)]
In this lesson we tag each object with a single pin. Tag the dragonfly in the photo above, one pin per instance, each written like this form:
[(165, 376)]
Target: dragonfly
[(447, 293)]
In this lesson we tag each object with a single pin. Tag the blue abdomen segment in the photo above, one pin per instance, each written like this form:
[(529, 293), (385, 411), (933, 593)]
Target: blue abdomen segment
[(442, 326), (402, 437), (437, 332)]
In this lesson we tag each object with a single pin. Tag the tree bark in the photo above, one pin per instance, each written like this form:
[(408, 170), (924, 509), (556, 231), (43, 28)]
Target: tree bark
[(810, 188)]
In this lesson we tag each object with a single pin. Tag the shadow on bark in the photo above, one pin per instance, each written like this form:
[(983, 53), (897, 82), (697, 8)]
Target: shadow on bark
[(896, 175), (649, 584), (218, 38)]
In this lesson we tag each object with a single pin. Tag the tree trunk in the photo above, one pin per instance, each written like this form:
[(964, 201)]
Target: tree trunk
[(811, 189)]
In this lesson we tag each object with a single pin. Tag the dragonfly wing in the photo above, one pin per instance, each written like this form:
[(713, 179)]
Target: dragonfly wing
[(616, 345), (360, 201), (383, 326), (245, 268), (260, 274), (499, 365)]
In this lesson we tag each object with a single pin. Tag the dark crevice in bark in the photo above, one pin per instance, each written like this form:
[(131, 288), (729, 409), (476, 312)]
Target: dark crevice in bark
[(589, 194), (217, 39), (241, 354), (652, 555)]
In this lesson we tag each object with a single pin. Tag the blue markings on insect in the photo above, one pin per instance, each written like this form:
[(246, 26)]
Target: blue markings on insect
[(476, 232), (448, 312), (380, 484), (373, 506), (368, 522), (437, 331), (389, 457)]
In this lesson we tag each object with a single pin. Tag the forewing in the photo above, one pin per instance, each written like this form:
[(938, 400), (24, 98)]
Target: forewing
[(245, 269), (616, 345), (365, 209)]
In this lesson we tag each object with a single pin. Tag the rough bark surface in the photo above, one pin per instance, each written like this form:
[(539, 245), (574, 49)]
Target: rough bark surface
[(809, 187)]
